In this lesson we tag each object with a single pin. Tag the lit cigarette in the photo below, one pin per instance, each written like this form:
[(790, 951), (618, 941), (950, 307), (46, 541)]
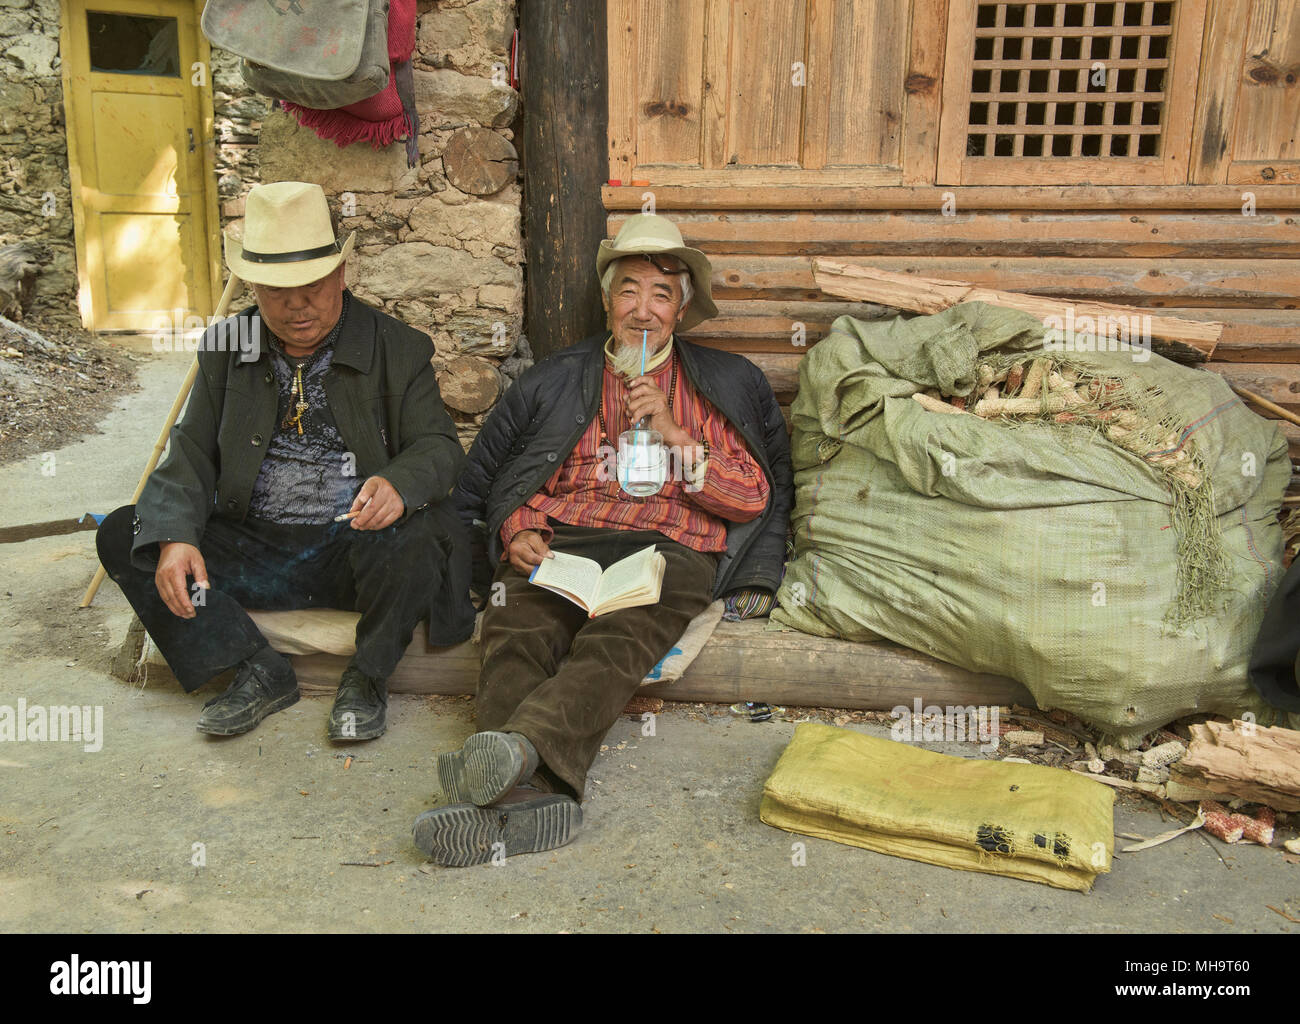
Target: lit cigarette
[(347, 515)]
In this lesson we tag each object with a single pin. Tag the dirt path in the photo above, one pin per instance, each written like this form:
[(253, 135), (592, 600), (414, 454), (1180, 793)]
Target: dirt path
[(56, 388)]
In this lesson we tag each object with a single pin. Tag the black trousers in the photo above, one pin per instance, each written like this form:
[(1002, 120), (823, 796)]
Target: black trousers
[(562, 679), (386, 575)]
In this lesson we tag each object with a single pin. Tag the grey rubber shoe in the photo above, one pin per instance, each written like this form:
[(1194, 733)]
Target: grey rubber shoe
[(486, 768), (257, 691), (525, 821)]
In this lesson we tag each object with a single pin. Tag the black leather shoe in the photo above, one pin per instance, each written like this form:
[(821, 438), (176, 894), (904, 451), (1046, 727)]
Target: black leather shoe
[(360, 709), (260, 688)]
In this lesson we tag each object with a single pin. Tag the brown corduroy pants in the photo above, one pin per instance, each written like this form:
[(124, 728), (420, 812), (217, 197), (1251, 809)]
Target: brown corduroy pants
[(562, 679)]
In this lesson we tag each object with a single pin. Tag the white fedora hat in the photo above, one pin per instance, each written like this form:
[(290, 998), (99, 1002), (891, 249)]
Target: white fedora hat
[(647, 233), (288, 239)]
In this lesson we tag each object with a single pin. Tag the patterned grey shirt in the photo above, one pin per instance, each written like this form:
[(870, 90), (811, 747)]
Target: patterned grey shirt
[(308, 478)]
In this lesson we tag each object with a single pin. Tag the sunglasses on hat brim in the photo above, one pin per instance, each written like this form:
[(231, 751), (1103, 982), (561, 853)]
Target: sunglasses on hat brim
[(671, 271)]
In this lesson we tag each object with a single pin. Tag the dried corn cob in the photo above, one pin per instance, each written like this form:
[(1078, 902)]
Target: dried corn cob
[(935, 405), (1164, 755), (1034, 379), (993, 407), (1219, 823), (1258, 829)]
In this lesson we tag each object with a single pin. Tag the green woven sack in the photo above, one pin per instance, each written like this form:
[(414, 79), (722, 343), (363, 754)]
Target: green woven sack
[(1036, 550)]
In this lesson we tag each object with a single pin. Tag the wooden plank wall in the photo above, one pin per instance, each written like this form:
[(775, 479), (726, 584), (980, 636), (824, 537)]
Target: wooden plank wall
[(1203, 265), (764, 178)]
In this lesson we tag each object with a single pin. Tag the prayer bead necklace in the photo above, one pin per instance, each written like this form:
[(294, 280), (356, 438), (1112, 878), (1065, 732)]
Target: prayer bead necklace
[(296, 391)]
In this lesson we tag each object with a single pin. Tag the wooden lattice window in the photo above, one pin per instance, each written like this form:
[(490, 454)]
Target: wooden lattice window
[(1070, 92)]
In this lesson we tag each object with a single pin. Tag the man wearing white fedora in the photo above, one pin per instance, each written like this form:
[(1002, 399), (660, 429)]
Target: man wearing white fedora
[(553, 680), (334, 411)]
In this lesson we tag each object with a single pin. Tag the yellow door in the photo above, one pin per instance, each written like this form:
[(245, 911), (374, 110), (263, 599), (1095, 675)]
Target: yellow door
[(133, 98)]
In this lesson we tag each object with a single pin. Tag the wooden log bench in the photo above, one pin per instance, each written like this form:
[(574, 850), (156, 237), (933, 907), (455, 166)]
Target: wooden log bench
[(741, 661)]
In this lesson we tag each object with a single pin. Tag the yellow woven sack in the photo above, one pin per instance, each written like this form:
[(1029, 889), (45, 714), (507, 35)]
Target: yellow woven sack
[(1021, 820)]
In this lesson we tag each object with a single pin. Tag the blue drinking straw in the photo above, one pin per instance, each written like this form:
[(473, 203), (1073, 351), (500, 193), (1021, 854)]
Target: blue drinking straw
[(643, 345)]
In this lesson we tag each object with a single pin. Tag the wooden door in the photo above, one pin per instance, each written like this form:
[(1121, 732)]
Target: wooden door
[(133, 95), (1248, 106), (1069, 93), (753, 93)]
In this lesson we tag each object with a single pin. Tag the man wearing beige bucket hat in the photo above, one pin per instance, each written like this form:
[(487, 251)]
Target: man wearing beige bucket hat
[(310, 469), (552, 680)]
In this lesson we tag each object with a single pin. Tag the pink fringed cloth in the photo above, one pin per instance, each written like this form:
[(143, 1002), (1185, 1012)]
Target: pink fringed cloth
[(387, 116)]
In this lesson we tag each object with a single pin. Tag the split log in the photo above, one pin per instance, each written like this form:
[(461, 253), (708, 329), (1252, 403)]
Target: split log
[(469, 384), (741, 661), (479, 161), (1185, 340), (1255, 763)]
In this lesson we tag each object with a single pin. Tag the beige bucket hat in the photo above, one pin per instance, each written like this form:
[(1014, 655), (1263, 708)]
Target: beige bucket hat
[(288, 240), (650, 233)]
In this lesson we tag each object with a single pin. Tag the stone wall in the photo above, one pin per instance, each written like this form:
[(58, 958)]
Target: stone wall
[(35, 189), (443, 260), (237, 116), (35, 193)]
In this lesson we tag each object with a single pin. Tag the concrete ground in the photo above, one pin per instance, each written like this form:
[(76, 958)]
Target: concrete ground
[(166, 830)]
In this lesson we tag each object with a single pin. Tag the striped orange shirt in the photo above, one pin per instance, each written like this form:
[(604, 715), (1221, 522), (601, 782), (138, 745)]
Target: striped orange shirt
[(583, 491)]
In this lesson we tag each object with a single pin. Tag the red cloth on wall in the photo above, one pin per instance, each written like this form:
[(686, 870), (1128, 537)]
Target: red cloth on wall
[(379, 119)]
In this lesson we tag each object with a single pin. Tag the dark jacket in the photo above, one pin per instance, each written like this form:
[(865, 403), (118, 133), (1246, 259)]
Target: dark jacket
[(1274, 668), (384, 397), (540, 420)]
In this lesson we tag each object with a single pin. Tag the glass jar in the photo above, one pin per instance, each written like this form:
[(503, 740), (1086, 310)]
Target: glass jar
[(642, 462)]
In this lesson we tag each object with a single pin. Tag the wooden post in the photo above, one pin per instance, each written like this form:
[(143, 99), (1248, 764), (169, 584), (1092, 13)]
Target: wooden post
[(564, 84)]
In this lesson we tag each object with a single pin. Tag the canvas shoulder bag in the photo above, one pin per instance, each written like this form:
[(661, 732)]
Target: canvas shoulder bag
[(320, 54)]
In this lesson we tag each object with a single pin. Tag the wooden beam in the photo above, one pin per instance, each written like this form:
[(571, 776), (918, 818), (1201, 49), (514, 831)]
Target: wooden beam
[(1271, 386), (761, 326), (1251, 335), (781, 371), (920, 197), (620, 56), (1222, 54), (563, 146), (926, 295), (1253, 284), (741, 661), (716, 85), (1150, 234), (923, 91)]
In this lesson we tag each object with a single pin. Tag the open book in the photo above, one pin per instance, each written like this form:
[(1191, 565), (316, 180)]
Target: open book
[(628, 583)]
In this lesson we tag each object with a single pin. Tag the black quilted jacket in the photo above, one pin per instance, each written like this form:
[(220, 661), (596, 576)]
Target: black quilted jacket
[(542, 416)]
